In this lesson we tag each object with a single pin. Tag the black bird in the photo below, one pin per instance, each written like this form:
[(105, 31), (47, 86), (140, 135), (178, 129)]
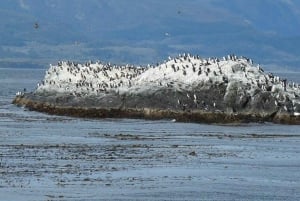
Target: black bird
[(36, 25)]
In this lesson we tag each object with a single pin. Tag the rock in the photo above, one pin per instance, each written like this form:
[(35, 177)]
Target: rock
[(214, 92)]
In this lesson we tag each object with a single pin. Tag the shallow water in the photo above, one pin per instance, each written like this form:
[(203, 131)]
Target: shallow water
[(61, 158)]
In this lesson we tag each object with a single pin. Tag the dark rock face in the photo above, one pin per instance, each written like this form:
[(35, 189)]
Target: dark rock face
[(153, 107)]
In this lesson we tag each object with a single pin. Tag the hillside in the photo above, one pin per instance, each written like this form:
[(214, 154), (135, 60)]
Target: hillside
[(140, 32)]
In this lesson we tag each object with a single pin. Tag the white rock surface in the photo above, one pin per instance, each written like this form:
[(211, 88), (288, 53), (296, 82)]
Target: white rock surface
[(183, 73)]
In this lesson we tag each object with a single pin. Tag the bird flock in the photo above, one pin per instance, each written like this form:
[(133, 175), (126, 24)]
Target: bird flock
[(181, 73)]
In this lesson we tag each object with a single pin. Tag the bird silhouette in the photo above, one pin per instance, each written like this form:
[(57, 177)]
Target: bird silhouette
[(36, 25)]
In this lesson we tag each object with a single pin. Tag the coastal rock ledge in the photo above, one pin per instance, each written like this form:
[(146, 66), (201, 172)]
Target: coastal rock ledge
[(186, 88)]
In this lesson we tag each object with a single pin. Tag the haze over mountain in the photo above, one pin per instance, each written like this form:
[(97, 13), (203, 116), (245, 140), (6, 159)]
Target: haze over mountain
[(38, 32)]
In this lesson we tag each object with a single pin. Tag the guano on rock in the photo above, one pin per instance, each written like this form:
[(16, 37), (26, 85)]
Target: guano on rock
[(186, 88)]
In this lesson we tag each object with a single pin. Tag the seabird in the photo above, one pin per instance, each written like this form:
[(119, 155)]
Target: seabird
[(36, 25), (199, 72), (259, 68)]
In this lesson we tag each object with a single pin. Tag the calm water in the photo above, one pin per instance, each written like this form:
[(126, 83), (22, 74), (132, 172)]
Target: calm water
[(61, 158)]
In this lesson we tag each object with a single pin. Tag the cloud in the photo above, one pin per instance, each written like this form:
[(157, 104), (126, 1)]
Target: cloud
[(23, 5), (289, 2)]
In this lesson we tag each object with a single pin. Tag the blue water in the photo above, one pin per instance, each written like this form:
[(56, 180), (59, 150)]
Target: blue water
[(47, 157)]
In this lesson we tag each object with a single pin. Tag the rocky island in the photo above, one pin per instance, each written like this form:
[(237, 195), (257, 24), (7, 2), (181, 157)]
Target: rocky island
[(186, 88)]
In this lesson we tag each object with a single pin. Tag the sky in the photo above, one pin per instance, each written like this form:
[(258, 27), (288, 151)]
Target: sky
[(34, 33)]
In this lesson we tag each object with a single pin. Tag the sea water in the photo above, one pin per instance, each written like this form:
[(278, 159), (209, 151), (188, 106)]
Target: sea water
[(45, 157)]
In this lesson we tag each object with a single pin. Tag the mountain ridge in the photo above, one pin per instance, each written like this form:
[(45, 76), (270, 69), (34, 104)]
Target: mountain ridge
[(118, 30)]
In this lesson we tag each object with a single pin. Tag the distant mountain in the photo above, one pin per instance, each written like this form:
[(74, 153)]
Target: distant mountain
[(38, 32)]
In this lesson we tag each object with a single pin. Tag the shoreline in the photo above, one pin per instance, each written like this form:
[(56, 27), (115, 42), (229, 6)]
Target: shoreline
[(193, 116)]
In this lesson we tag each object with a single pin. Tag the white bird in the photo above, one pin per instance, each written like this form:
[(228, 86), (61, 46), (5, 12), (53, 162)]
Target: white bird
[(297, 114)]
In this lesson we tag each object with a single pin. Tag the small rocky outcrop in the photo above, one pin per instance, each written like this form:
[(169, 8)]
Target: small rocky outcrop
[(185, 88)]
